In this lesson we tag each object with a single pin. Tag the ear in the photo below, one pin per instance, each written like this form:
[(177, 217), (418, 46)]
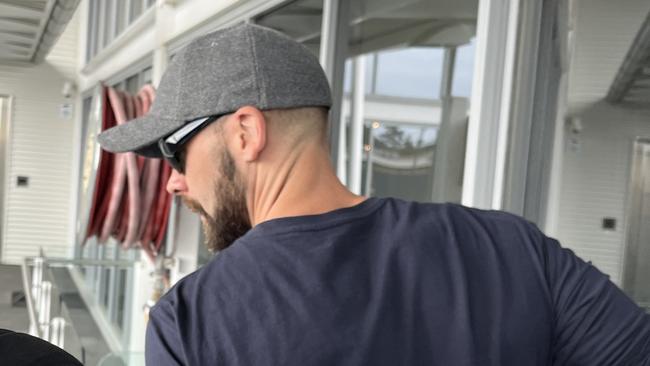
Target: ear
[(250, 129)]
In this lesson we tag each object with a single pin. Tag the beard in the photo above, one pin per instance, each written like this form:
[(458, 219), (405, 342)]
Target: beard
[(229, 221)]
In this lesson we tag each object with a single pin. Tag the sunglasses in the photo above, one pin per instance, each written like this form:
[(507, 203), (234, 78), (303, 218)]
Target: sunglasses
[(171, 146)]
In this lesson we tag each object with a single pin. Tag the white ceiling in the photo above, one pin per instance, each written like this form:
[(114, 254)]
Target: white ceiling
[(632, 82), (21, 26), (604, 32)]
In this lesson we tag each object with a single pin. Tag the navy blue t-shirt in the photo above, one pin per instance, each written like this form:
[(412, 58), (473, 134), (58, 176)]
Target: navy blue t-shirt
[(389, 282)]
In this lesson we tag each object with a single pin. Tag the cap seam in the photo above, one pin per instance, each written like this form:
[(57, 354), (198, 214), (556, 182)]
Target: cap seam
[(179, 110), (261, 86)]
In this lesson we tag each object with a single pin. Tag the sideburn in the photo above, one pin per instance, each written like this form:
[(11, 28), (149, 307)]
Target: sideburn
[(230, 220)]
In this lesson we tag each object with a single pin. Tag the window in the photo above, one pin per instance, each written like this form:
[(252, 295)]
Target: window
[(110, 284), (108, 19), (414, 72), (413, 122), (464, 70)]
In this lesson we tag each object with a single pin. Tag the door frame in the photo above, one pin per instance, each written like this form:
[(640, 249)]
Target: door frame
[(630, 246), (6, 113)]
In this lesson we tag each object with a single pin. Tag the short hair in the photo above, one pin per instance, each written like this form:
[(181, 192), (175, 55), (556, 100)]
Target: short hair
[(299, 122)]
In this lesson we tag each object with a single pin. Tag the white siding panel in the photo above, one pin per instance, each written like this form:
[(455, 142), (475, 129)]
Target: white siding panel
[(41, 144), (595, 184)]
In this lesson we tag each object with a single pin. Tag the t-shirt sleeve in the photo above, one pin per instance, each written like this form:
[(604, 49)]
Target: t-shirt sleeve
[(162, 345), (595, 322)]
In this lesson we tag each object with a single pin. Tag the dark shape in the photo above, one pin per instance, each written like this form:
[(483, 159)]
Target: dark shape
[(73, 300), (18, 299), (20, 349), (609, 223), (22, 181)]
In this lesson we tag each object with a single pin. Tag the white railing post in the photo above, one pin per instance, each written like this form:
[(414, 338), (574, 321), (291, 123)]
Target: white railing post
[(44, 312), (37, 279), (58, 332)]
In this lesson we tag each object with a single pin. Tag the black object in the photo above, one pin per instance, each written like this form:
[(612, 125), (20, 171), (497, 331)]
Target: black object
[(20, 349), (609, 223), (22, 181), (18, 299)]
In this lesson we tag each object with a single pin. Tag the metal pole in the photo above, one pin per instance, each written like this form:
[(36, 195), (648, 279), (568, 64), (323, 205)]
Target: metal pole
[(31, 312), (333, 50), (375, 63), (37, 279), (342, 156), (44, 313), (369, 148), (357, 101), (58, 331)]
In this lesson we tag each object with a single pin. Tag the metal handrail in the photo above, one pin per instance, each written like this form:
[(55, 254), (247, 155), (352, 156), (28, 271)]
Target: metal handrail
[(90, 262), (39, 302), (33, 324)]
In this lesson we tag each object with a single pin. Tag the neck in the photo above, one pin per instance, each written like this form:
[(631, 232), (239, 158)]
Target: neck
[(303, 183)]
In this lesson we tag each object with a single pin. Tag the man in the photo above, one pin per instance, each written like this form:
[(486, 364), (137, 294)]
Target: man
[(311, 274)]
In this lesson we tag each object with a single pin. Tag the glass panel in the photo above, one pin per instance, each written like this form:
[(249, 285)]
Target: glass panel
[(464, 70), (106, 277), (415, 127), (410, 72), (120, 17), (85, 120), (133, 84), (92, 30), (637, 257), (401, 159), (121, 297), (407, 48), (146, 76), (371, 75), (136, 10), (109, 19)]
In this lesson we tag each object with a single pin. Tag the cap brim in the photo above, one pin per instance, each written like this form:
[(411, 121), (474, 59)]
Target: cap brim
[(139, 135)]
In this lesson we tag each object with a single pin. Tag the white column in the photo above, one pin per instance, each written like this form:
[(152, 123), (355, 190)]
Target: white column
[(37, 282), (357, 102), (44, 309), (333, 50), (163, 25), (485, 156), (58, 332), (444, 142)]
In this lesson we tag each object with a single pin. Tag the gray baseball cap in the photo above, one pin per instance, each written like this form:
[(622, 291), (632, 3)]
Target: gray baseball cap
[(217, 74)]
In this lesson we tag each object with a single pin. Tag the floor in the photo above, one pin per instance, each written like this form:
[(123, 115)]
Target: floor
[(12, 317)]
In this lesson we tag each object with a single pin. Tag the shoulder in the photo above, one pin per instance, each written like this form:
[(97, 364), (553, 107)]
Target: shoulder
[(489, 220), (452, 216), (471, 230)]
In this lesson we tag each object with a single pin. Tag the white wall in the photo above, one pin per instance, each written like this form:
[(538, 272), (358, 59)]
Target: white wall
[(595, 183), (595, 172), (40, 146)]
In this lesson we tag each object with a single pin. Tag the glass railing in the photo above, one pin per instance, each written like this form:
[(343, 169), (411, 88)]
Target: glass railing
[(123, 359), (50, 316)]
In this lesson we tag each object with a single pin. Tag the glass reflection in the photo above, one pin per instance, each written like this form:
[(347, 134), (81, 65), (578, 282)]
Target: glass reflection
[(399, 160)]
